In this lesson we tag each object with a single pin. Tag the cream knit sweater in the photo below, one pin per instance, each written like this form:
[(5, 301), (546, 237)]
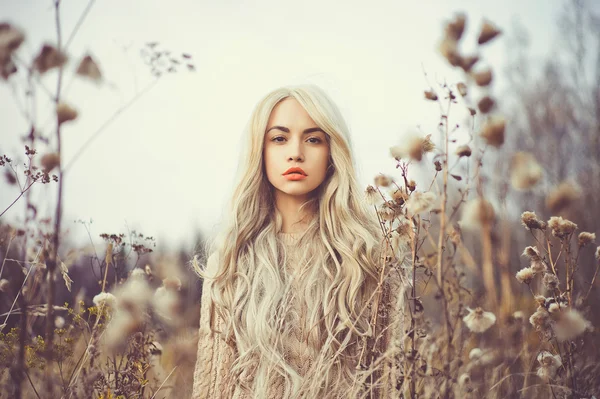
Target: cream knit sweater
[(215, 356)]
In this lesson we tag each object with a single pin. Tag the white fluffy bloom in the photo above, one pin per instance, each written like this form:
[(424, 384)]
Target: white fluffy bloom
[(475, 354), (479, 321), (525, 275), (549, 365), (420, 202), (570, 325), (106, 298)]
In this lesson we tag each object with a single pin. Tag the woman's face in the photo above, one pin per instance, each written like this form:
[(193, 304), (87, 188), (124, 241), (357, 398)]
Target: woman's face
[(293, 139)]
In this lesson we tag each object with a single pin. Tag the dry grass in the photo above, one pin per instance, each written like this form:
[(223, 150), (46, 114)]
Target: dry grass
[(473, 324)]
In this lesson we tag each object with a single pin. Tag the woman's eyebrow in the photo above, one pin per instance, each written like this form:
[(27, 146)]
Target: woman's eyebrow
[(286, 130)]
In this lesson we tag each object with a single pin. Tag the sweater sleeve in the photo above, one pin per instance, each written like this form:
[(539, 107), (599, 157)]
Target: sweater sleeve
[(214, 356)]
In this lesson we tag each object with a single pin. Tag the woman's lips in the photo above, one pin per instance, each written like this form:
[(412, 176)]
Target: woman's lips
[(294, 176)]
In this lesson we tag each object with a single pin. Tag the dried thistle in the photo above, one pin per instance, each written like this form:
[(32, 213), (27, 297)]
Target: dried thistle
[(467, 63), (50, 161), (483, 78), (48, 58), (525, 171), (562, 196), (525, 275), (478, 320), (549, 364), (463, 151), (550, 281), (4, 285), (383, 180), (530, 220), (420, 202), (570, 325), (448, 48), (430, 95), (561, 228), (493, 131), (399, 196), (65, 113), (89, 69), (586, 238), (386, 212), (488, 32), (462, 88), (455, 28), (486, 104), (532, 253), (372, 196), (476, 213), (413, 147)]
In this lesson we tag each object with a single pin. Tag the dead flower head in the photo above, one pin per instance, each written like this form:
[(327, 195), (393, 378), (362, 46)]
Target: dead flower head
[(541, 319), (372, 196), (10, 40), (386, 212), (4, 285), (420, 202), (483, 78), (463, 151), (488, 32), (105, 299), (478, 320), (50, 161), (89, 69), (430, 95), (562, 196), (561, 228), (570, 325), (413, 147), (476, 213), (462, 88), (526, 172), (550, 281), (468, 62), (586, 238), (383, 180), (549, 365), (65, 113), (486, 104), (530, 220), (525, 275), (455, 28), (48, 58), (493, 131), (448, 48)]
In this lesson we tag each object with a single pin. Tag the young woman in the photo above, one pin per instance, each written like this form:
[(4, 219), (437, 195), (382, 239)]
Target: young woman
[(301, 295)]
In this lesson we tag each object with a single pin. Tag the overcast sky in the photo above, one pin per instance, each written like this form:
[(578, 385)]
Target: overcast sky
[(166, 165)]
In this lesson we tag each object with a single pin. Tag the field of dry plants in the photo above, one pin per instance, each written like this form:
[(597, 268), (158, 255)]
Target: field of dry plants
[(502, 271)]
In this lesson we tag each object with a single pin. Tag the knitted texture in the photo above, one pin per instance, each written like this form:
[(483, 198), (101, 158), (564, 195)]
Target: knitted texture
[(215, 356)]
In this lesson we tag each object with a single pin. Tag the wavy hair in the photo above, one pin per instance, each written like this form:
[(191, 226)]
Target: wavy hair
[(340, 272)]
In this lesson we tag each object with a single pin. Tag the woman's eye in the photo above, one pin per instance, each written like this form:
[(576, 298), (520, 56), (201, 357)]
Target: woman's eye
[(316, 140)]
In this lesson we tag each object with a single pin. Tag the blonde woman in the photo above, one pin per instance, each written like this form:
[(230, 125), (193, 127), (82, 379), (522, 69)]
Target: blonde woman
[(301, 294)]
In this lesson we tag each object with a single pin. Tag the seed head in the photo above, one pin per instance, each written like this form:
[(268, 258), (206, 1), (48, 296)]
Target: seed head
[(570, 325), (455, 28), (448, 48), (105, 298), (586, 238), (530, 220), (419, 202), (462, 88), (561, 228), (562, 196), (541, 320), (486, 104), (475, 354), (48, 58), (4, 285), (399, 196), (386, 212), (372, 196), (525, 171), (413, 147), (89, 69), (488, 32), (463, 151), (50, 161), (478, 320), (65, 113), (383, 180), (525, 275), (430, 95), (467, 63), (550, 281), (483, 78), (476, 213), (493, 131)]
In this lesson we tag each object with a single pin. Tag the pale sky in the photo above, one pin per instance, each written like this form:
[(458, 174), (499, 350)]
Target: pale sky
[(166, 166)]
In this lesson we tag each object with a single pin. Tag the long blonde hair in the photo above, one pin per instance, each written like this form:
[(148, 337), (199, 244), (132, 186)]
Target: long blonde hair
[(248, 284)]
